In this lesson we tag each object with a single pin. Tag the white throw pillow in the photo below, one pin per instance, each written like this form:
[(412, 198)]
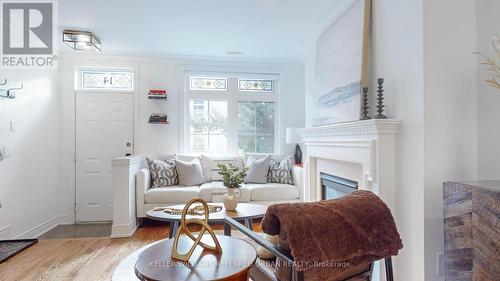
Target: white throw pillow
[(257, 169), (211, 170), (190, 173)]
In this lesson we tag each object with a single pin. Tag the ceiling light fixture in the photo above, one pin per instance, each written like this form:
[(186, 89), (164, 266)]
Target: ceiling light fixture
[(81, 40), (234, 53)]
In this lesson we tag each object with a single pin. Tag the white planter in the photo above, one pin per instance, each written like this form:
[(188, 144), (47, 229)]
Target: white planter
[(231, 198)]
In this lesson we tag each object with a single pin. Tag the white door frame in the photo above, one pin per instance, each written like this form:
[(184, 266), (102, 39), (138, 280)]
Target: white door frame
[(79, 89)]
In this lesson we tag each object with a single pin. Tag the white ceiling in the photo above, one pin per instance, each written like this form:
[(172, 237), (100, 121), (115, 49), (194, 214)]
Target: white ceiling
[(270, 29)]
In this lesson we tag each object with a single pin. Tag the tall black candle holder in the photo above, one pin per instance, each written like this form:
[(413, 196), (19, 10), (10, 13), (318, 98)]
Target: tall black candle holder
[(380, 100), (364, 105)]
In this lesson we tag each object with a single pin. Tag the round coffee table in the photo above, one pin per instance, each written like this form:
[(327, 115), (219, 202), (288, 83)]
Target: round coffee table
[(245, 212), (233, 264), (125, 269)]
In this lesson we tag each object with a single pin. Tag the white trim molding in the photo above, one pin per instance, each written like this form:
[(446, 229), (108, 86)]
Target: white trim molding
[(44, 227), (123, 230), (369, 145), (364, 127), (124, 208), (5, 232)]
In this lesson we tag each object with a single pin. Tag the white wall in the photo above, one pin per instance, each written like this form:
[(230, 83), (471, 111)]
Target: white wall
[(396, 55), (167, 73), (424, 49), (488, 25), (29, 180), (450, 113)]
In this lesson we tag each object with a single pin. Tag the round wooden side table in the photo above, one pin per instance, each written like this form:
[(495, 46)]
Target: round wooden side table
[(233, 264)]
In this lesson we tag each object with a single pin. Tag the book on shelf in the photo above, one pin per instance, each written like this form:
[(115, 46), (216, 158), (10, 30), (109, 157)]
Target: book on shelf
[(158, 118), (157, 94)]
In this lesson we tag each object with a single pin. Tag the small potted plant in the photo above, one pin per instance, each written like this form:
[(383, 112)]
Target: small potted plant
[(232, 178)]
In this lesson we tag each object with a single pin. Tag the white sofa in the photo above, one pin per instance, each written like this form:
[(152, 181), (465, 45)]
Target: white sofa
[(148, 198)]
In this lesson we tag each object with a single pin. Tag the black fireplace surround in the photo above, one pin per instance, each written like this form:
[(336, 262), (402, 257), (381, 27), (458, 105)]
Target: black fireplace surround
[(334, 187)]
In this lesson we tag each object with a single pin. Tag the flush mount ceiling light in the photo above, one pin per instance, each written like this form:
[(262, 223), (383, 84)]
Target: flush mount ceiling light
[(81, 40), (234, 53)]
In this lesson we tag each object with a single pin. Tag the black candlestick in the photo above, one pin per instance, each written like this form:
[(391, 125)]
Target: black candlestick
[(365, 107), (380, 100)]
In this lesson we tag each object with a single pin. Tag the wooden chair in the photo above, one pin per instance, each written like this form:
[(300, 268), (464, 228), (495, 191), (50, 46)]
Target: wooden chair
[(261, 272)]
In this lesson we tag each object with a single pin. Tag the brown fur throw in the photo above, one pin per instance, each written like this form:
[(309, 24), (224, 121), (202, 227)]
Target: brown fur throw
[(355, 229)]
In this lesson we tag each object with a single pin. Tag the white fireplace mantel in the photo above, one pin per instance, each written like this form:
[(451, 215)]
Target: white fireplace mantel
[(357, 128), (368, 145)]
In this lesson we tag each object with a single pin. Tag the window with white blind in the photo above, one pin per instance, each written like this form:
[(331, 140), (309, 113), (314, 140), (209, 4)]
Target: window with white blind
[(227, 114)]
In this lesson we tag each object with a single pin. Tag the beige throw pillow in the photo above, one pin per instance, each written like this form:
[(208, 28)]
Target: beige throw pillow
[(257, 169), (190, 173)]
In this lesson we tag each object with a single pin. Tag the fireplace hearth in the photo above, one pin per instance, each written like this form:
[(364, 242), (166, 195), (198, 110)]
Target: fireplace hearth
[(334, 187)]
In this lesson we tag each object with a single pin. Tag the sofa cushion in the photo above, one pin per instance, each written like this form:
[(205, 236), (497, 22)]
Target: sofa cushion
[(190, 173), (210, 169), (208, 189), (171, 194), (273, 192)]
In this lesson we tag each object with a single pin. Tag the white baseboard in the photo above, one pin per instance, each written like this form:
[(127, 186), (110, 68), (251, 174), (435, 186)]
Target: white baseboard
[(123, 230), (44, 227), (5, 233)]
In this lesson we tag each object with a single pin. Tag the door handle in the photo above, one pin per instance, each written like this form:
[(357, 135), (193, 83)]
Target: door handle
[(128, 154)]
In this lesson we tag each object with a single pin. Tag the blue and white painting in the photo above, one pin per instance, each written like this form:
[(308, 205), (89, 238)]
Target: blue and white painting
[(339, 69)]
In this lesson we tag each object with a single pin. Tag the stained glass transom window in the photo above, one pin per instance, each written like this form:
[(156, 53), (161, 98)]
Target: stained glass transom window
[(203, 83), (107, 80), (255, 85)]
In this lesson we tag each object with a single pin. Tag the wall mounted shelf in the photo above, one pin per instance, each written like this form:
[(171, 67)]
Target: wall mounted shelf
[(151, 97)]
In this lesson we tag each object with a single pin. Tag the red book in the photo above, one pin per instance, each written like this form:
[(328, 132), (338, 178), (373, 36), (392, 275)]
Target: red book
[(158, 92)]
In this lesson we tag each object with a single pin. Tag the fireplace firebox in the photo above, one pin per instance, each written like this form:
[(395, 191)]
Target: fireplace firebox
[(334, 187)]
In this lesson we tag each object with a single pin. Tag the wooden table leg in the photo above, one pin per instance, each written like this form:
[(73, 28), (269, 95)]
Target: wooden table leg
[(227, 229), (174, 225)]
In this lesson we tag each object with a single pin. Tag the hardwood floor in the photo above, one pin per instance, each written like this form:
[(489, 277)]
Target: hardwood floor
[(85, 259)]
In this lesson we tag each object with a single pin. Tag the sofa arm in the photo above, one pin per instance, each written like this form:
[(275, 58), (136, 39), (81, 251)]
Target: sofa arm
[(142, 184), (298, 179)]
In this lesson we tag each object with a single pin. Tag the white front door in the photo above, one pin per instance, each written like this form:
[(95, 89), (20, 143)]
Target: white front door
[(104, 130)]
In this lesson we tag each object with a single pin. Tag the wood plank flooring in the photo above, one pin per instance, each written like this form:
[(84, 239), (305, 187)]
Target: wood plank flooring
[(85, 259)]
